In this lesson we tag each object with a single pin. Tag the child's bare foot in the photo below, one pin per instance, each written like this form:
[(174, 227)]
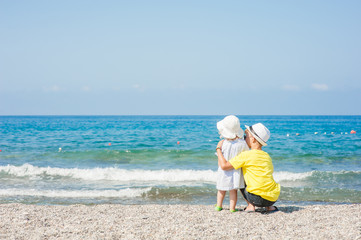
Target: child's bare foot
[(249, 208)]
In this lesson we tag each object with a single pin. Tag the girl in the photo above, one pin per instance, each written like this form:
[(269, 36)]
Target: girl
[(229, 129)]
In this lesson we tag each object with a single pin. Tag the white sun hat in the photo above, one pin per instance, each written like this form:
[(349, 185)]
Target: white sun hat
[(230, 127), (260, 132)]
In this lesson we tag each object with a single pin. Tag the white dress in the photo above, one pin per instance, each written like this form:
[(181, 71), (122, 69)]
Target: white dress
[(231, 179)]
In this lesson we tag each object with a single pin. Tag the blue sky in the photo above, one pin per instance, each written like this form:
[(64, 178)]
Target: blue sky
[(180, 57)]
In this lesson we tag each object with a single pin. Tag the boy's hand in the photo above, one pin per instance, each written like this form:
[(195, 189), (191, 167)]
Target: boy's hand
[(220, 143)]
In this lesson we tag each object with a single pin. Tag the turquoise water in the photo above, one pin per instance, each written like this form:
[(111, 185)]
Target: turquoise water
[(137, 159)]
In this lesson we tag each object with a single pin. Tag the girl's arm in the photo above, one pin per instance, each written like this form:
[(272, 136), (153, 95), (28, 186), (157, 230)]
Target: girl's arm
[(222, 162)]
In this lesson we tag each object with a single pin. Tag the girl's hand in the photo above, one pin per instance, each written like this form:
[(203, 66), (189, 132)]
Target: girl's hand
[(220, 143)]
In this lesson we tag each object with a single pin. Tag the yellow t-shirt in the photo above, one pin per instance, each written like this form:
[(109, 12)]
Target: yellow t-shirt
[(257, 170)]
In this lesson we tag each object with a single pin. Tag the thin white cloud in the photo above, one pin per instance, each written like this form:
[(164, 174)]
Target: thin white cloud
[(85, 89), (289, 87), (319, 87), (139, 87), (54, 88)]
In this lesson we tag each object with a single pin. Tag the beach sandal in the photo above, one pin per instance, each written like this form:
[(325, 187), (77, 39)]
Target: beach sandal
[(272, 211), (217, 208), (233, 210)]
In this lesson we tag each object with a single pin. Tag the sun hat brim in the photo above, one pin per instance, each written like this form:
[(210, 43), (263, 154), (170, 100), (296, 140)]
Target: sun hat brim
[(263, 143), (226, 133)]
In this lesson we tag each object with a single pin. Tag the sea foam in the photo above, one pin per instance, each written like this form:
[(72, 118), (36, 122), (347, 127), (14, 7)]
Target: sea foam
[(290, 176), (128, 192), (139, 175), (112, 174)]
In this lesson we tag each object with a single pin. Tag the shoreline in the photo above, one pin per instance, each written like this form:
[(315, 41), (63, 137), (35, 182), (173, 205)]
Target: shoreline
[(115, 221)]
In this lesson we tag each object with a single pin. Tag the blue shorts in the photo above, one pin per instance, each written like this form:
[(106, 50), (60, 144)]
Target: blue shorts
[(255, 199)]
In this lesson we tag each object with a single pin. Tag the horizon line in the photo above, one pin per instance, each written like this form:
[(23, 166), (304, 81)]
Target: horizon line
[(115, 115)]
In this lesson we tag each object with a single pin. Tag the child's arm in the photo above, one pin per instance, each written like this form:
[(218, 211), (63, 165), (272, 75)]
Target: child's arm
[(221, 160)]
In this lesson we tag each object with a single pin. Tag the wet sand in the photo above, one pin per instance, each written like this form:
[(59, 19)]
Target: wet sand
[(20, 221)]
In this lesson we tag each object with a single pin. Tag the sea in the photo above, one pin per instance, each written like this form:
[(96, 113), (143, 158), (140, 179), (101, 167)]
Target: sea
[(62, 160)]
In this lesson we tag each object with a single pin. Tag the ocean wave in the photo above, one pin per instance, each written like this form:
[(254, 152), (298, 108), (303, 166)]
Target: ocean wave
[(312, 175), (112, 174), (291, 176), (128, 192), (139, 175)]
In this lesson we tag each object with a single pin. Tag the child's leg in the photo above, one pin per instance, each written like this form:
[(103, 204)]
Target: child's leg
[(232, 199), (220, 197), (250, 207)]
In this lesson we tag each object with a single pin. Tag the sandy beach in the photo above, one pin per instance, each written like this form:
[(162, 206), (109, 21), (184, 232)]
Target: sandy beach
[(20, 221)]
